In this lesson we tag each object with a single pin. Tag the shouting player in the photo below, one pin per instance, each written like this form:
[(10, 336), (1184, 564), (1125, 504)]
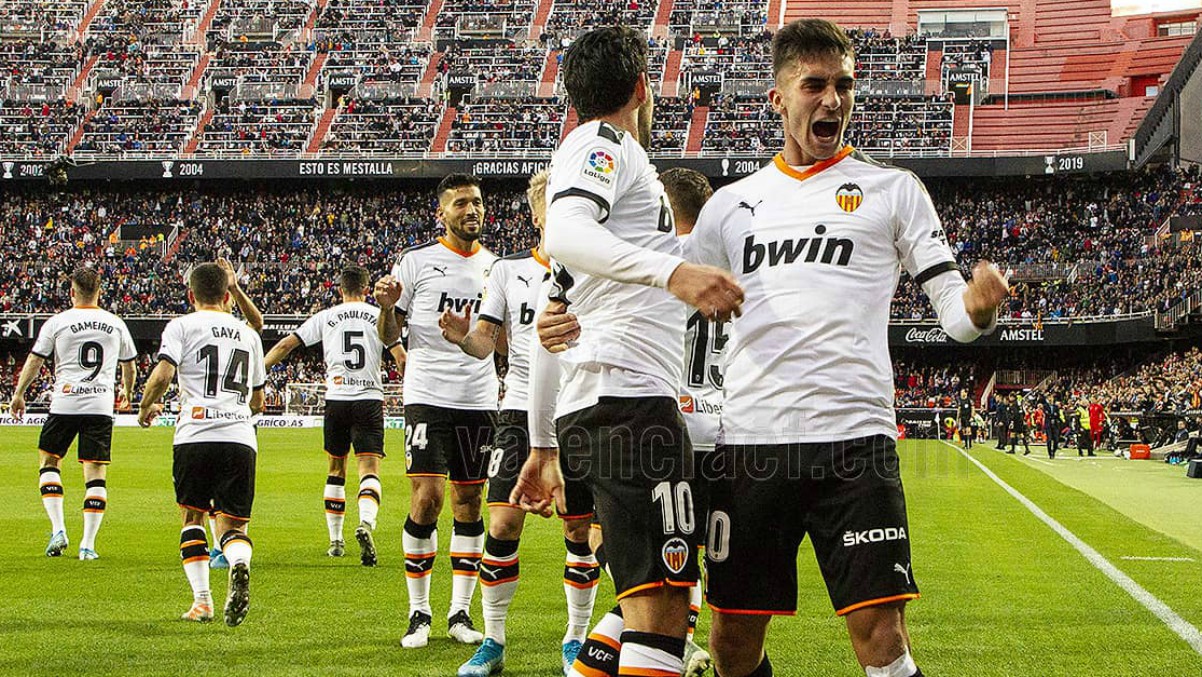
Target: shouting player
[(817, 238), (354, 411), (219, 363), (450, 401), (86, 343)]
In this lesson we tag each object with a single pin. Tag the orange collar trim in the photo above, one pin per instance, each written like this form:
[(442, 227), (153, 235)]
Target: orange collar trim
[(448, 245), (546, 263), (817, 168)]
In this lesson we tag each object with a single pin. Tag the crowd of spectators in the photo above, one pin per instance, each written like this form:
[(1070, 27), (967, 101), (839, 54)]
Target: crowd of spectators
[(143, 126), (919, 385), (486, 124), (36, 129)]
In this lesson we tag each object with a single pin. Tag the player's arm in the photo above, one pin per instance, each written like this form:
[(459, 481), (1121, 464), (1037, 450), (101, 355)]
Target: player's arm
[(577, 238), (965, 309), (388, 326), (129, 375), (156, 386), (480, 342), (33, 366), (281, 350), (256, 401), (399, 354), (246, 306), (540, 483)]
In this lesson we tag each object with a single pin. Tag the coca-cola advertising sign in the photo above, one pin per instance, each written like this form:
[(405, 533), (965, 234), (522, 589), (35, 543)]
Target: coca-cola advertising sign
[(932, 335)]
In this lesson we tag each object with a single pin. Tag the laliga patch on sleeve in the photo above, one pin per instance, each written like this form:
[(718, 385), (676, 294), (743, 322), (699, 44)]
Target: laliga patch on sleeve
[(600, 166)]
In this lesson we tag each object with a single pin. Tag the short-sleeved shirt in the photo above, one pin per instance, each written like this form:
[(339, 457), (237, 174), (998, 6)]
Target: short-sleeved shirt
[(510, 298), (436, 277), (219, 363), (351, 347), (86, 344), (818, 252)]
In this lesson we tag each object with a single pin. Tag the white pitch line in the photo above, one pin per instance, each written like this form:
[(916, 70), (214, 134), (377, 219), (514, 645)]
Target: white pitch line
[(1176, 623), (1135, 558), (1037, 460)]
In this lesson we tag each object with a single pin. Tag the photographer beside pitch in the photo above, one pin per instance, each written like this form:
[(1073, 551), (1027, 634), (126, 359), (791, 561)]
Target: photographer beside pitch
[(816, 239)]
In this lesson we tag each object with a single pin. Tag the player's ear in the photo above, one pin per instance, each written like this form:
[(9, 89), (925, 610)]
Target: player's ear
[(191, 298), (775, 98)]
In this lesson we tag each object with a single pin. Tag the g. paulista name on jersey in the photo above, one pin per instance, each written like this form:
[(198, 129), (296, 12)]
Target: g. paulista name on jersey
[(780, 252)]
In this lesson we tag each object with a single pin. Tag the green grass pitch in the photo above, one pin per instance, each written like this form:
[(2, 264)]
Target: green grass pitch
[(1003, 594)]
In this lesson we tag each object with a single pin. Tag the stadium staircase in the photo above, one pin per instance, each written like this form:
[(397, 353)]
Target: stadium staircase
[(541, 13), (198, 73), (546, 86), (194, 140), (697, 130), (663, 19), (310, 83), (90, 16), (321, 129), (961, 116), (569, 123), (311, 20), (444, 130), (670, 85), (426, 32), (202, 26), (934, 74), (774, 13), (426, 86), (1043, 125), (78, 134), (82, 78)]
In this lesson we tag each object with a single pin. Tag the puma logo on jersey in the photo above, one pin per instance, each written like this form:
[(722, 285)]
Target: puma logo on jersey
[(448, 302), (831, 251), (525, 281), (441, 270), (904, 571), (750, 207)]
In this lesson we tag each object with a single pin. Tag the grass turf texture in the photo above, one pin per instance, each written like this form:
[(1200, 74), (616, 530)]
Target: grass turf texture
[(1003, 595)]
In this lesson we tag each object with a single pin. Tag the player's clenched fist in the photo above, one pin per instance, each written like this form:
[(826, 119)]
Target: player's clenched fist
[(147, 414), (711, 290), (986, 291), (387, 291), (539, 489), (455, 328), (557, 327)]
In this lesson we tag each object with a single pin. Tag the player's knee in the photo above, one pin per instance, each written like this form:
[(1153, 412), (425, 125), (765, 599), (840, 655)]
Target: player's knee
[(50, 460), (338, 466), (736, 648), (577, 531), (877, 631), (505, 528)]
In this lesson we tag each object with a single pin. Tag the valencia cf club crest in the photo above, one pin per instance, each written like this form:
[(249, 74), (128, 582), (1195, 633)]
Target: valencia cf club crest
[(849, 197), (676, 555)]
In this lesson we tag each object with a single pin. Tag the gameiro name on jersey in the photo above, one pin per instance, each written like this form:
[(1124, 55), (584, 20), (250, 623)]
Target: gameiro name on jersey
[(85, 344), (351, 347), (435, 277), (510, 298), (218, 362), (635, 330), (818, 252)]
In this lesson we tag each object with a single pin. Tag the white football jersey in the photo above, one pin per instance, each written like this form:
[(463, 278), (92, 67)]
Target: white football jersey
[(818, 253), (85, 344), (218, 362), (351, 347), (633, 328), (701, 381), (511, 296), (436, 277)]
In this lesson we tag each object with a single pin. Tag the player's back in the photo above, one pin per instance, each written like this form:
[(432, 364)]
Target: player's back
[(436, 277), (635, 327), (86, 345), (219, 362), (351, 348), (513, 294)]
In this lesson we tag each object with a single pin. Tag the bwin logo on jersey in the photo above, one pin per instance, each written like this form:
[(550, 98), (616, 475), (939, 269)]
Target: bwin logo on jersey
[(835, 251), (448, 302)]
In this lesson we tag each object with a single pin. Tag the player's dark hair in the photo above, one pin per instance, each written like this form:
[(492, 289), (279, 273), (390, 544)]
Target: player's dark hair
[(353, 279), (688, 191), (86, 282), (602, 68), (208, 283), (808, 37), (452, 181)]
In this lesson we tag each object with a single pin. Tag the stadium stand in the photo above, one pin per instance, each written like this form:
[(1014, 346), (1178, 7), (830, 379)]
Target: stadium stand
[(264, 127), (30, 129), (384, 126), (123, 127), (505, 125)]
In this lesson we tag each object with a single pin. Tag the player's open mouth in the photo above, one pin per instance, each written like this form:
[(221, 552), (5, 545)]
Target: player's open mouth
[(825, 130)]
